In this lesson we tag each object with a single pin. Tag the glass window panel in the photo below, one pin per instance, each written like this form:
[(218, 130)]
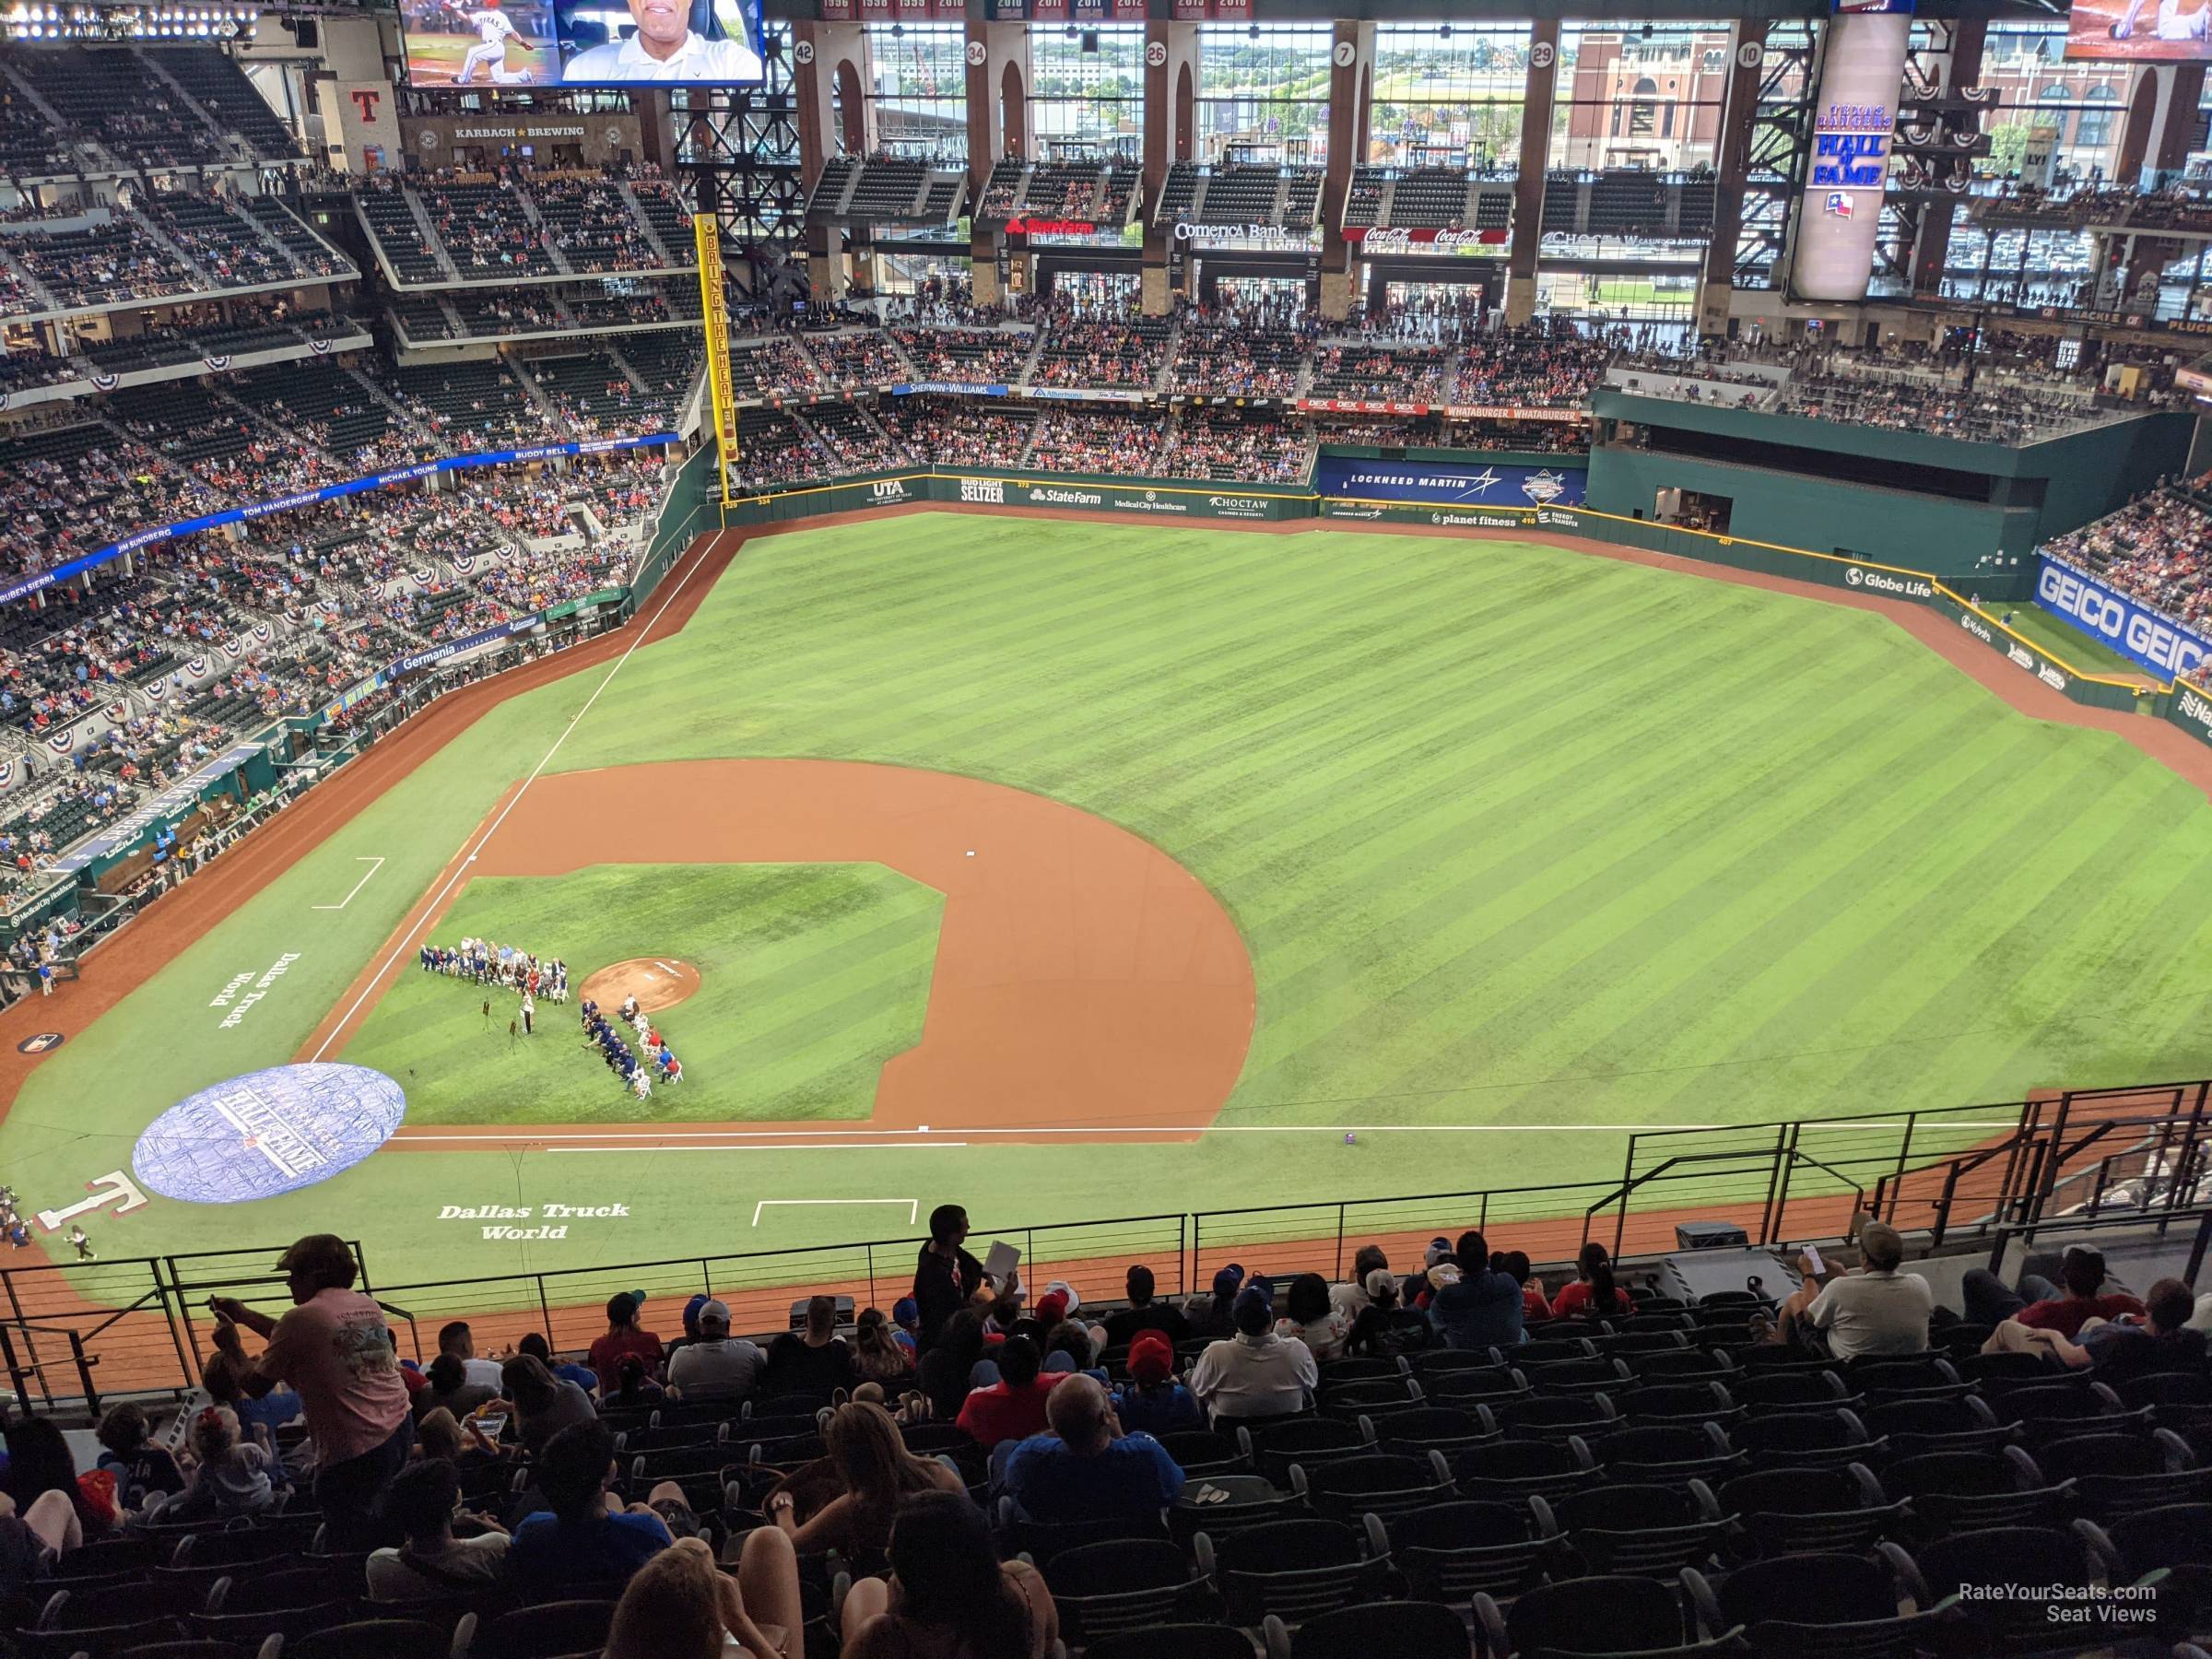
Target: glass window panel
[(1641, 96), (1086, 90), (920, 87), (1264, 92), (1448, 94)]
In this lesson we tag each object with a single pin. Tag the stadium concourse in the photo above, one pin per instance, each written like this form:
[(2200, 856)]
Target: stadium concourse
[(1677, 722)]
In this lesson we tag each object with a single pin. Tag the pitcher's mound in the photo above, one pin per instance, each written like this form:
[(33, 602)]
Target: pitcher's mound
[(656, 982)]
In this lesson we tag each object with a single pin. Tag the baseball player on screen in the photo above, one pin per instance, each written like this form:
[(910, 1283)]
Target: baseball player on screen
[(494, 29), (2173, 23)]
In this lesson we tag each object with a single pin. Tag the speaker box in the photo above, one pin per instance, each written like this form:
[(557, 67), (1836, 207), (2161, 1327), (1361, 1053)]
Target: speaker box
[(798, 1311), (1710, 1235), (308, 32), (1699, 1273)]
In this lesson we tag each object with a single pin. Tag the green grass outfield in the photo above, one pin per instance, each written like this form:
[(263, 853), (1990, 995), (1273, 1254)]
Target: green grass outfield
[(811, 976), (1522, 842)]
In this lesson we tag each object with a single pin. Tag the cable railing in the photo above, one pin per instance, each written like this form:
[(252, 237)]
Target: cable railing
[(2115, 1157)]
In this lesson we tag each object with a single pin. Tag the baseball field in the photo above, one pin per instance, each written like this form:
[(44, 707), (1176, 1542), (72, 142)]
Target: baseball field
[(1073, 869)]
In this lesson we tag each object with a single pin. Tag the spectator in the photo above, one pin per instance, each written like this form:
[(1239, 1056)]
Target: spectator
[(1472, 1307), (716, 1365), (453, 1386), (813, 1361), (332, 1348), (233, 1476), (1356, 1296), (634, 1385), (576, 1546), (54, 1501), (1311, 1316), (1516, 1266), (879, 1355), (2042, 1305), (1211, 1317), (538, 1348), (432, 1562), (945, 1368), (1013, 1407), (949, 1597), (690, 1319), (1254, 1373), (625, 1338), (140, 1468), (544, 1404), (679, 1605), (878, 1473), (1153, 1400), (458, 1341), (1593, 1293), (946, 1276), (2121, 1349), (1874, 1310), (1087, 1468), (1145, 1314)]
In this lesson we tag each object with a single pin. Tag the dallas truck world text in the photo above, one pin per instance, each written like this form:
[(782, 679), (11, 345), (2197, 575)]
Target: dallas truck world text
[(500, 1214)]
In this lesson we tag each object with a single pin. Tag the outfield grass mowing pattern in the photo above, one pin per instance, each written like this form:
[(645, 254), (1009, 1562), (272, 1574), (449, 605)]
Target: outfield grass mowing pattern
[(811, 977), (1518, 838)]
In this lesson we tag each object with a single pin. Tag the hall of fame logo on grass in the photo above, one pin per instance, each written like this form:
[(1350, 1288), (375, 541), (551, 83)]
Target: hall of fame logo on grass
[(268, 1132)]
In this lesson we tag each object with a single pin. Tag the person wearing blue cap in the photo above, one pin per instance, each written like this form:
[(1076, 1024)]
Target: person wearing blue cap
[(906, 1315), (1254, 1373), (1209, 1315), (691, 1308)]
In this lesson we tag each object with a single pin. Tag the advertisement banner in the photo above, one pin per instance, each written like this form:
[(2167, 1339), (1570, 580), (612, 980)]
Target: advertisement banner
[(415, 661), (2192, 711), (1458, 483), (2126, 626), (706, 234)]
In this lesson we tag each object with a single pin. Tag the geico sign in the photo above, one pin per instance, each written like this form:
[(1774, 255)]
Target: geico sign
[(1882, 583), (2147, 639)]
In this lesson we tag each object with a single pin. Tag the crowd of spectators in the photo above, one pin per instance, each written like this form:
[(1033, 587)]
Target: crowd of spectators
[(982, 357), (961, 431), (1540, 365), (1936, 406), (1099, 438), (2157, 549), (1226, 445)]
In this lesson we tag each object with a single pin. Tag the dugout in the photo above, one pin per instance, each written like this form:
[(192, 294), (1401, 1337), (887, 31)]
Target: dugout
[(1973, 511)]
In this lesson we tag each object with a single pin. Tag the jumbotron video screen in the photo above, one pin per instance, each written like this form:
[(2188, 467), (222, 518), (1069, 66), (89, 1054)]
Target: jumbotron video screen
[(581, 42)]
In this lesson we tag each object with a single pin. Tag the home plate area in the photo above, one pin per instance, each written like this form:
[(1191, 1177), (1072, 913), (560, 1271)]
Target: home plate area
[(656, 982)]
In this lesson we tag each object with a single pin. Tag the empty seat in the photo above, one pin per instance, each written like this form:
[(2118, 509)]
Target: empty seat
[(550, 1630), (1804, 1440), (1103, 1589), (1650, 1531), (1851, 1609), (1380, 1484), (1449, 1552), (1431, 1428), (1515, 1470), (2120, 1474), (1935, 1423), (1984, 1568), (1403, 1629), (1272, 1448), (2176, 1539), (1964, 1490), (1293, 1569), (1541, 1418), (2047, 1412), (1174, 1641), (1667, 1454), (1814, 1512), (1611, 1615), (1665, 1403), (1923, 1376)]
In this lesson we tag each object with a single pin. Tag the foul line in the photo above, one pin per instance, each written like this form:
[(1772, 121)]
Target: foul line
[(828, 1140), (375, 865), (430, 910), (604, 1147), (914, 1205)]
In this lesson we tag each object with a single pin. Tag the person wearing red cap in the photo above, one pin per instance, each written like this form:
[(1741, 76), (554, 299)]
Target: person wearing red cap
[(1153, 1401)]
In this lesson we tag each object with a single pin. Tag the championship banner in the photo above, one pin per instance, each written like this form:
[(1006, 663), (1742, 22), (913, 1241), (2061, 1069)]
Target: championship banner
[(1450, 483), (706, 231), (2128, 626)]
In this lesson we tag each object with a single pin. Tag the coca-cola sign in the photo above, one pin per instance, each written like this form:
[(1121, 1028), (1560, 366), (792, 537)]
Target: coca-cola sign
[(1396, 239)]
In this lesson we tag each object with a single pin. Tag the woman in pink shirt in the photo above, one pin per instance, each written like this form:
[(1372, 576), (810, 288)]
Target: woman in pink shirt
[(335, 1351)]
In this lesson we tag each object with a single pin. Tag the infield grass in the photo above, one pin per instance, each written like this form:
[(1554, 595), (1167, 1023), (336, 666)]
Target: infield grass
[(1526, 843)]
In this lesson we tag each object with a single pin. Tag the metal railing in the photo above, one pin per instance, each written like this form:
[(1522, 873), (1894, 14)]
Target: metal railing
[(2117, 1156)]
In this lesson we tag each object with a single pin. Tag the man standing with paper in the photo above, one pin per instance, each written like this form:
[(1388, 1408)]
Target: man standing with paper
[(946, 1276)]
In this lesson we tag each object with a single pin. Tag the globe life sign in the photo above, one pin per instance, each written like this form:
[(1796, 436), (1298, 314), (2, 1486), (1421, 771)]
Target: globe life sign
[(1854, 118)]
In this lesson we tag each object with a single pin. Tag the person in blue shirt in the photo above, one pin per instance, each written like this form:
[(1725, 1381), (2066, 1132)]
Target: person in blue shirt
[(576, 1546), (1085, 1469), (1153, 1400), (1472, 1307)]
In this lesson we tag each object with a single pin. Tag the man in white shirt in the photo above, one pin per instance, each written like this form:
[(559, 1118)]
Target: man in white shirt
[(457, 1341), (664, 47), (1874, 1310), (1254, 1373), (718, 1365)]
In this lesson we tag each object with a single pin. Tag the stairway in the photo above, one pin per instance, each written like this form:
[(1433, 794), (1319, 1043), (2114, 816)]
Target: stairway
[(431, 240), (669, 256)]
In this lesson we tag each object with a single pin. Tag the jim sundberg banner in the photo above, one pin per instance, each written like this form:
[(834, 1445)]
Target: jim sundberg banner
[(1450, 483), (2130, 628)]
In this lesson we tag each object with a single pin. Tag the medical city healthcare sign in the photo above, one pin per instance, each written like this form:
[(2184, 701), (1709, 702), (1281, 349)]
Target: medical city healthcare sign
[(2134, 629)]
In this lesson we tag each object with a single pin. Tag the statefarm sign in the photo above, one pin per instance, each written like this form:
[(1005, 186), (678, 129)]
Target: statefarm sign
[(1393, 238)]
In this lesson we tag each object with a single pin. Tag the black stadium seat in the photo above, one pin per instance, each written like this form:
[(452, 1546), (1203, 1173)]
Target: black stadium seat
[(1403, 1629), (1594, 1615), (1814, 1606)]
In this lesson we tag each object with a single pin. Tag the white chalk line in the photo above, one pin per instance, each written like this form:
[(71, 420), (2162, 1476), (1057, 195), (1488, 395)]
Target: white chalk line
[(923, 1137), (604, 1147), (375, 865), (914, 1205), (428, 910)]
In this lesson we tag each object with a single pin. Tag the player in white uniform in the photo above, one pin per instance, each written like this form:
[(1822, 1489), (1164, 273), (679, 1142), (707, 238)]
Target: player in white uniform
[(2174, 22), (494, 30)]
